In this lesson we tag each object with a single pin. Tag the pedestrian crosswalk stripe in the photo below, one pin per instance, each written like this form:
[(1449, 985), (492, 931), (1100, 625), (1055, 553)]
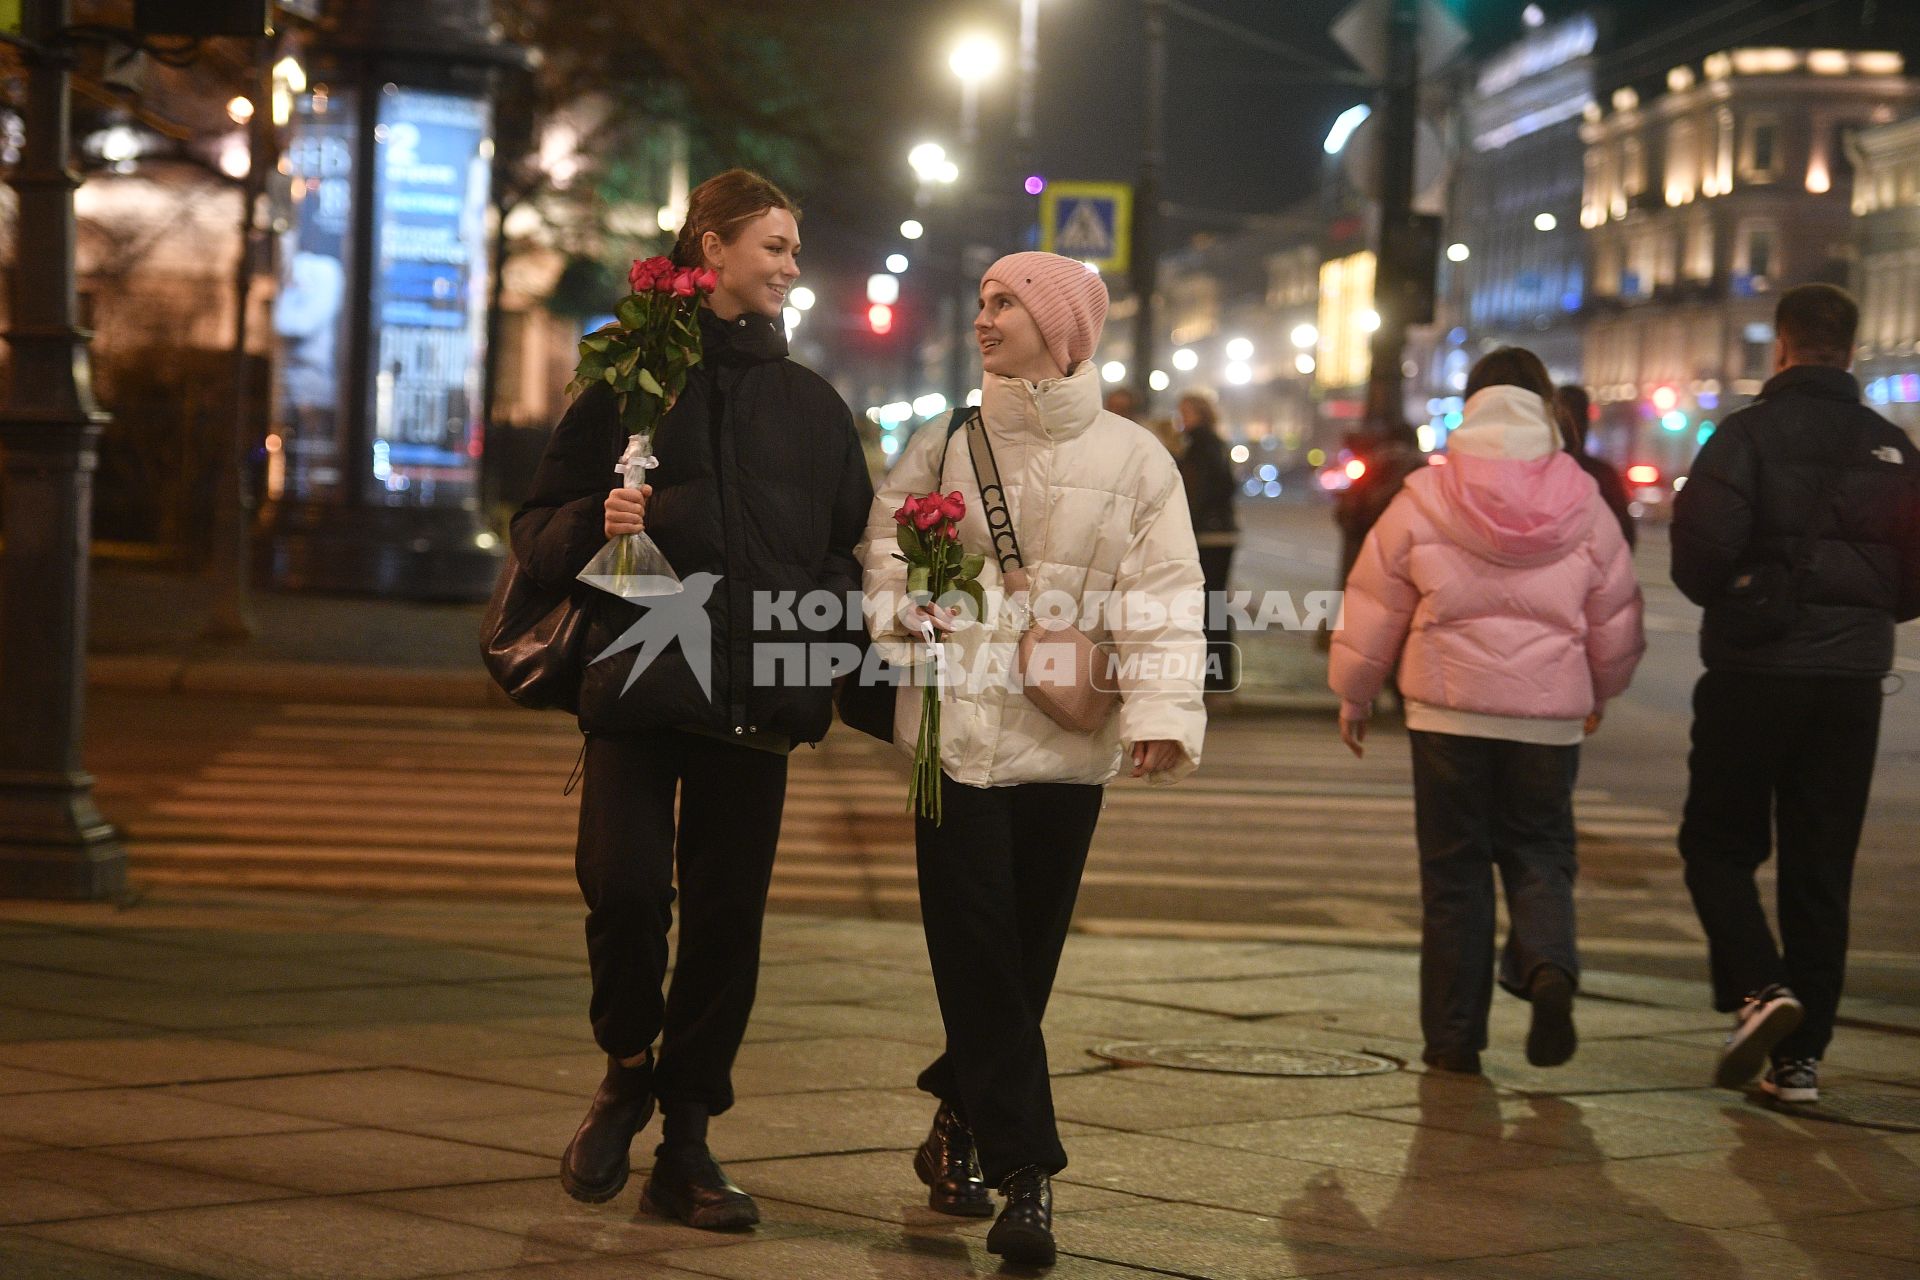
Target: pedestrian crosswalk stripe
[(1278, 826)]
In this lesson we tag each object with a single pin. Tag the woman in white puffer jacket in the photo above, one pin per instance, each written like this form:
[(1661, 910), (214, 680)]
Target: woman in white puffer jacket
[(1100, 516)]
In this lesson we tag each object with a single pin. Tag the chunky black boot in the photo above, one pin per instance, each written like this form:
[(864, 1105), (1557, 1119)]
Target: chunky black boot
[(947, 1163), (1024, 1232), (688, 1186), (595, 1165)]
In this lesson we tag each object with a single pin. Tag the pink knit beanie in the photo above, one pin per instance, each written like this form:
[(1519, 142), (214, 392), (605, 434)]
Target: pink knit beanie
[(1066, 299)]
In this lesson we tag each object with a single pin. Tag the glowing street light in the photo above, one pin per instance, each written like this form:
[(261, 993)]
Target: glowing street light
[(802, 299), (977, 57), (240, 110), (926, 161), (1159, 380), (897, 263), (1545, 222), (1239, 373), (912, 230), (1186, 360), (1457, 252), (1367, 319), (1240, 349), (1304, 336), (1113, 371)]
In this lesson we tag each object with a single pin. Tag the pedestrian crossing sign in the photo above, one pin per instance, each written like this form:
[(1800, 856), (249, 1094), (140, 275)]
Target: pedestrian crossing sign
[(1091, 221)]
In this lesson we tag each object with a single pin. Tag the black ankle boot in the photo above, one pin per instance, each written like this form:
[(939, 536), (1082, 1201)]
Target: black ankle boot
[(946, 1162), (1024, 1232), (1550, 1037), (595, 1165), (688, 1185)]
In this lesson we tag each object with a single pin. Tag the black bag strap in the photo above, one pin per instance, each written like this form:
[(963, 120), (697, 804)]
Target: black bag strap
[(993, 494)]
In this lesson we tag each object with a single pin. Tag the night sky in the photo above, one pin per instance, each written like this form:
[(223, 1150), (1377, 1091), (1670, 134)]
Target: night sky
[(1243, 129)]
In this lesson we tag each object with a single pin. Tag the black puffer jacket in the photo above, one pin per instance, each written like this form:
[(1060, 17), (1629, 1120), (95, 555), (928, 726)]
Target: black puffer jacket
[(761, 481), (1208, 477), (1753, 497)]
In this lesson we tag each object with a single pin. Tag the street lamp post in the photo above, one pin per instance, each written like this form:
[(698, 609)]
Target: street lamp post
[(1146, 206), (1385, 408), (974, 60), (54, 843)]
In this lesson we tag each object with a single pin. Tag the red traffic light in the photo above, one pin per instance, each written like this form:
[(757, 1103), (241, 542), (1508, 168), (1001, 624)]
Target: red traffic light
[(880, 318)]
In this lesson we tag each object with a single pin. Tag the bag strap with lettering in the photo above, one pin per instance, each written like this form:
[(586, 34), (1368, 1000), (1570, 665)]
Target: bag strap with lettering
[(993, 496)]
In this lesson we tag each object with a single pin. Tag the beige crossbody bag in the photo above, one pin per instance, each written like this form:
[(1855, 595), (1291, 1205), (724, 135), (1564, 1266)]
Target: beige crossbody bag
[(1063, 671)]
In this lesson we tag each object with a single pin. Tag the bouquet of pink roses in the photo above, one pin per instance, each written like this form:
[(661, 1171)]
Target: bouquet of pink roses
[(929, 541), (644, 356)]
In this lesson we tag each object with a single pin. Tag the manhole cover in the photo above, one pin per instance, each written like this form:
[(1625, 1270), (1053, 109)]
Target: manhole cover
[(1244, 1059), (1899, 1112)]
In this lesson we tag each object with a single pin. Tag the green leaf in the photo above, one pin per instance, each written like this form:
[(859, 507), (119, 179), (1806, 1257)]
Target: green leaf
[(978, 595), (632, 311), (649, 383), (597, 341), (627, 363), (971, 566), (909, 542), (638, 413)]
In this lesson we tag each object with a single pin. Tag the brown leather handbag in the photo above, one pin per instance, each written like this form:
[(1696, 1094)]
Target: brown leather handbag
[(1063, 670)]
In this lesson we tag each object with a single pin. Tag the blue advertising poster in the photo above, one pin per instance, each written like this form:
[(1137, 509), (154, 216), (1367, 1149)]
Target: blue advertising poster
[(429, 298), (310, 315)]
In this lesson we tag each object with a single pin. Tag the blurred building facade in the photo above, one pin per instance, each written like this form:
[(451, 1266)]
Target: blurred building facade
[(1515, 267), (1886, 207), (1700, 205)]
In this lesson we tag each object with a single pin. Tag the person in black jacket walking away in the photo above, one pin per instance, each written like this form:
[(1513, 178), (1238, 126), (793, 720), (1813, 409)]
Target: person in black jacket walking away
[(1799, 532), (763, 488), (1208, 477), (1573, 406)]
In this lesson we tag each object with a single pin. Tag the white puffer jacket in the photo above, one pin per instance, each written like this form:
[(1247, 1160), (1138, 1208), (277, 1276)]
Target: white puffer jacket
[(1098, 508)]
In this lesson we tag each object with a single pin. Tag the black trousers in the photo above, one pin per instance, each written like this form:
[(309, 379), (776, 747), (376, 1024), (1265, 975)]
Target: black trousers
[(1481, 803), (629, 851), (998, 880), (1216, 566), (1786, 759)]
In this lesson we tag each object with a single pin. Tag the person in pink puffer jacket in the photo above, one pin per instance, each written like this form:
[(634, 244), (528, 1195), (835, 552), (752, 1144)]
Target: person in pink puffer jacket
[(1502, 586)]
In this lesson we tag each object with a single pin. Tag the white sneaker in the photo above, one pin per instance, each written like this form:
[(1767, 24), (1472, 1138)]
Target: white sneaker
[(1795, 1080), (1766, 1018)]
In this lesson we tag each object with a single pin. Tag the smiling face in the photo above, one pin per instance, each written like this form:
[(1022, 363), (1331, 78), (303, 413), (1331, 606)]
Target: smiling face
[(1010, 341), (755, 268)]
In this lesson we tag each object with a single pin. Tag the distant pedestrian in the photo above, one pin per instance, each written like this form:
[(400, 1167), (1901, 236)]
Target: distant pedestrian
[(1123, 401), (1502, 585), (1207, 474), (1799, 532), (682, 786), (1576, 407), (1386, 460)]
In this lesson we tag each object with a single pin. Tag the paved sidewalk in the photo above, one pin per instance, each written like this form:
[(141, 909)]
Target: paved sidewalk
[(250, 1085)]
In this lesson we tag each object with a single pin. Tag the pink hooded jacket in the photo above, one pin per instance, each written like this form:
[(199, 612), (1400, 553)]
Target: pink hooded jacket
[(1502, 574)]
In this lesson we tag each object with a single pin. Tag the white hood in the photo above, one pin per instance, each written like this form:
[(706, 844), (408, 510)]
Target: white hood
[(1505, 422)]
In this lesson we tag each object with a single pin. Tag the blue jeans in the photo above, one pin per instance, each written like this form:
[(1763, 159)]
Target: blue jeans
[(1481, 803)]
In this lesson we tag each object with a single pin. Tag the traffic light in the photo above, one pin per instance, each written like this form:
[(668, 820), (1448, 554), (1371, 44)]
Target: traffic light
[(880, 319)]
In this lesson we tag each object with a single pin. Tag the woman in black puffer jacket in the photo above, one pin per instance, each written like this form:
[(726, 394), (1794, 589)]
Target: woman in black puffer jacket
[(761, 493)]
